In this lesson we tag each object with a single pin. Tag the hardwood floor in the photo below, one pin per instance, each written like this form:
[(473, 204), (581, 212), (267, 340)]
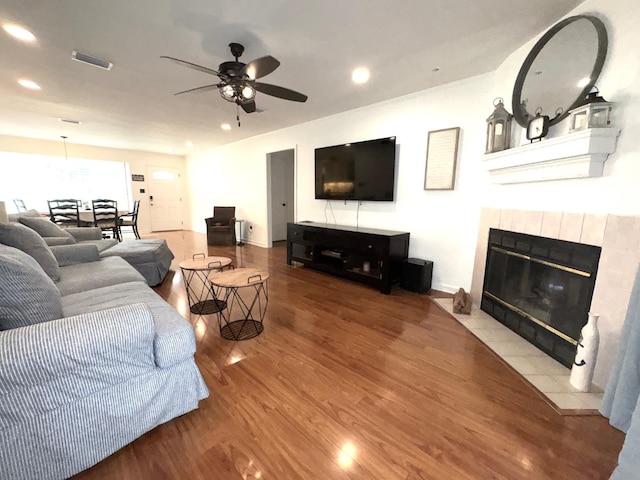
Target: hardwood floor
[(348, 383)]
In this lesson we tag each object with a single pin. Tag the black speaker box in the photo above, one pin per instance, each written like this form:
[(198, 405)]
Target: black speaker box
[(416, 275)]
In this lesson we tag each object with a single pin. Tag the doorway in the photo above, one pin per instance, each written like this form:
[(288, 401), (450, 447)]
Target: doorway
[(280, 193), (165, 199)]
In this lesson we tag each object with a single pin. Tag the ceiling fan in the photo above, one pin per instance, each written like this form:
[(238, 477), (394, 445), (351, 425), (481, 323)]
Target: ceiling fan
[(238, 80)]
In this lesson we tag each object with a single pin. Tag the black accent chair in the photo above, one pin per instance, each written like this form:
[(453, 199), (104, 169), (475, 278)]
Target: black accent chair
[(65, 212), (221, 228), (130, 220), (105, 216)]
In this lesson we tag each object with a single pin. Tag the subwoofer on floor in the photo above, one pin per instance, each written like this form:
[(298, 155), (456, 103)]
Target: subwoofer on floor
[(416, 275)]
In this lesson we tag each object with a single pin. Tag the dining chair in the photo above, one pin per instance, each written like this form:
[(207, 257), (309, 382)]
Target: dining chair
[(130, 219), (65, 212), (20, 205), (105, 216)]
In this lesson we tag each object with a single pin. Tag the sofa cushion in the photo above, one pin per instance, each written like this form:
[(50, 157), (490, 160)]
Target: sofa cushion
[(14, 217), (21, 237), (83, 277), (29, 296), (46, 228), (174, 339)]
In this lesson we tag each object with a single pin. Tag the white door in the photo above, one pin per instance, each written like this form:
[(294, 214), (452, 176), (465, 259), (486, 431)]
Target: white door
[(165, 198)]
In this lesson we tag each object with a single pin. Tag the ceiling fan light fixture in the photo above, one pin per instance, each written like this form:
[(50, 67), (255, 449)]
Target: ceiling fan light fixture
[(248, 92), (228, 93)]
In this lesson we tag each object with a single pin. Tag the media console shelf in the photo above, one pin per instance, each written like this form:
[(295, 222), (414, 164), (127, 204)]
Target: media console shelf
[(373, 257)]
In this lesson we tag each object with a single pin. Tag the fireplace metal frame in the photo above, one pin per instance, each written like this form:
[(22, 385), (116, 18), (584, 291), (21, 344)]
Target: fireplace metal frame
[(574, 258)]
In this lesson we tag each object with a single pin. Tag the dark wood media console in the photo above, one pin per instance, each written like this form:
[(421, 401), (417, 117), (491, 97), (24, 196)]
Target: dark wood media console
[(365, 255)]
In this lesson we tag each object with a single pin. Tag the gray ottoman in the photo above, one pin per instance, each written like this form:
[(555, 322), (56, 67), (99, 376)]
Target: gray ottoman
[(151, 257)]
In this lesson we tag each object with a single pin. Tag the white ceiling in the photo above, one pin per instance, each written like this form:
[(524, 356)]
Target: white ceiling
[(317, 42)]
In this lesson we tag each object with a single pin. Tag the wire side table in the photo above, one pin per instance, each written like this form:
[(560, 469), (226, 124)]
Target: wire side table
[(195, 273), (245, 293)]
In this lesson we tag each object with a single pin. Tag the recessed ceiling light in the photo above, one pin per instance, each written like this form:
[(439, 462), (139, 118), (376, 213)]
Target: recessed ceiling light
[(189, 143), (171, 150), (225, 126), (360, 75), (29, 84), (19, 32)]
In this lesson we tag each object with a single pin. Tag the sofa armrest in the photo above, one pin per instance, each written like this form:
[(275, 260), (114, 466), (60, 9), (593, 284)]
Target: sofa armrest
[(74, 254), (50, 364), (85, 233)]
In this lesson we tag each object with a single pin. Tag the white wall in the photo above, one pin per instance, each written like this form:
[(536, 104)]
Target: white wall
[(615, 191), (138, 161)]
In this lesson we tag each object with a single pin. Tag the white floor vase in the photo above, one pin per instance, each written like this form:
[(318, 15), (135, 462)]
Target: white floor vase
[(586, 355)]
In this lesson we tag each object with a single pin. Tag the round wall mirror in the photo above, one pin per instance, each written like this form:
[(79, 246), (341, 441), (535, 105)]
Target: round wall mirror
[(560, 70)]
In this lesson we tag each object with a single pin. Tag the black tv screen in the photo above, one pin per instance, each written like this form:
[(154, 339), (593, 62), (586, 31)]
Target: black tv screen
[(357, 171)]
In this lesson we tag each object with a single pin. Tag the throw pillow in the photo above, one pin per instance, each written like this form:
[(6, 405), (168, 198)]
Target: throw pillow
[(21, 237), (28, 295), (46, 228)]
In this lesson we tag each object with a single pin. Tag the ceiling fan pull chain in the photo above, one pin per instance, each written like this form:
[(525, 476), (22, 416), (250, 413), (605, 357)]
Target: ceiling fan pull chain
[(238, 114)]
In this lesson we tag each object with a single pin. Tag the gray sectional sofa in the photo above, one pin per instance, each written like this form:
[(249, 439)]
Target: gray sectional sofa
[(90, 357), (151, 257)]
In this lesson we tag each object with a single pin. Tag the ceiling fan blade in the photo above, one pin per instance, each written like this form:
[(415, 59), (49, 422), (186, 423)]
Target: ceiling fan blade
[(184, 63), (280, 92), (206, 88), (249, 107), (260, 67)]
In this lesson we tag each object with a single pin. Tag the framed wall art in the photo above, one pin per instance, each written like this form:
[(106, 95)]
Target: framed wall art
[(442, 154)]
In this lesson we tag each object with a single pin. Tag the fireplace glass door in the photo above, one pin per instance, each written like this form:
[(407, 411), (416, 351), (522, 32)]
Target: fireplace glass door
[(541, 288)]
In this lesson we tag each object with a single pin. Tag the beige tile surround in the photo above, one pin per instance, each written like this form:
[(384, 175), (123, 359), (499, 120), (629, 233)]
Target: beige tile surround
[(546, 375), (619, 237)]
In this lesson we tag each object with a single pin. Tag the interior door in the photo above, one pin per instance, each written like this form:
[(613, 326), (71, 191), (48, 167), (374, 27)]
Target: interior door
[(165, 199), (282, 171)]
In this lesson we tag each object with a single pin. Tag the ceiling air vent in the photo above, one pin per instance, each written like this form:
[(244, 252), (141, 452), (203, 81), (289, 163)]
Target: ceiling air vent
[(68, 120), (88, 59)]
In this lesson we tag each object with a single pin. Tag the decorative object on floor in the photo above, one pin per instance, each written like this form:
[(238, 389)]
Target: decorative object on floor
[(560, 70), (538, 127), (130, 220), (442, 153), (221, 228), (228, 288), (462, 302), (592, 112), (498, 128), (4, 218), (195, 273), (586, 355), (238, 80)]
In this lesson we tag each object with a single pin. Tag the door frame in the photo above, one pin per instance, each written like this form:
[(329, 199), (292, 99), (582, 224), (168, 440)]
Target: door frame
[(294, 185), (150, 169)]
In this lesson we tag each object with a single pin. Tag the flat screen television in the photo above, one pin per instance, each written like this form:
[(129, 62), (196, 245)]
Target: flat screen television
[(357, 171)]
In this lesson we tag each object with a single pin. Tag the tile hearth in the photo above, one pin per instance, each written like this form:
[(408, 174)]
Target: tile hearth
[(544, 374)]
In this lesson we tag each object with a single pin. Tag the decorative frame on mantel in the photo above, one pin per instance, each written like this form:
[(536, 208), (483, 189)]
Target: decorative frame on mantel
[(442, 154), (576, 155)]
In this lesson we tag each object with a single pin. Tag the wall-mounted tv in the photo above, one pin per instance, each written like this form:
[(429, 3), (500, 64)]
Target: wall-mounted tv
[(357, 171)]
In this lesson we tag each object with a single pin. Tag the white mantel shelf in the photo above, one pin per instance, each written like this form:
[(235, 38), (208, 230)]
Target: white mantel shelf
[(576, 155)]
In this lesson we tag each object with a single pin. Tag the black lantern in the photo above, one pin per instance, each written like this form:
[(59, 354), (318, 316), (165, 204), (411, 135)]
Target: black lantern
[(498, 128)]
